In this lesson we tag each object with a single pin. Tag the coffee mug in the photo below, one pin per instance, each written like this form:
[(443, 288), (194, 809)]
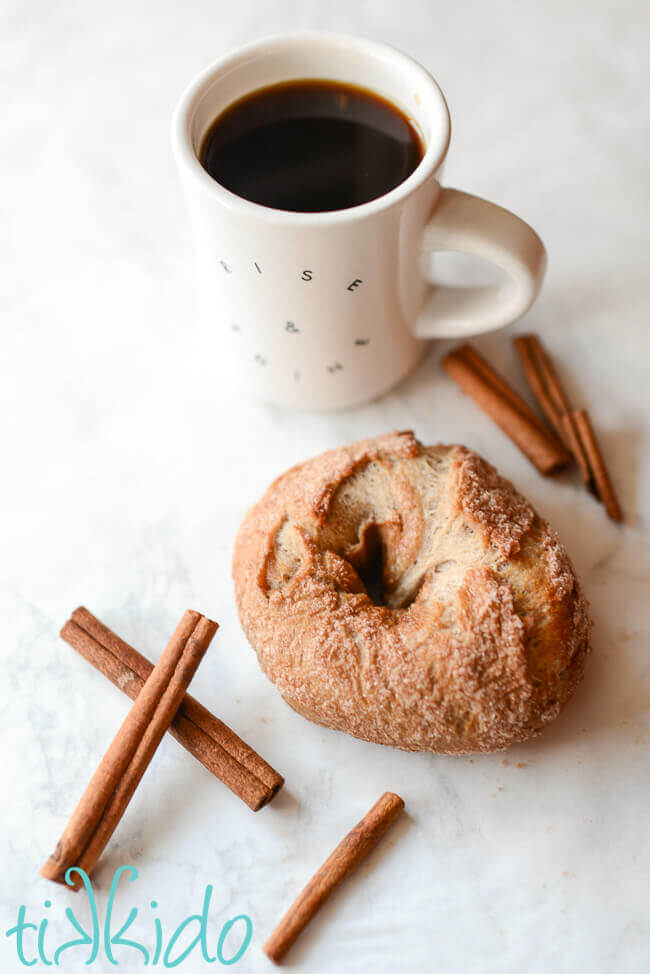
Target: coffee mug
[(326, 310)]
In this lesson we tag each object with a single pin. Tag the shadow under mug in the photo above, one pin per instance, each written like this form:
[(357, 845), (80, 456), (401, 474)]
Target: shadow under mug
[(326, 310)]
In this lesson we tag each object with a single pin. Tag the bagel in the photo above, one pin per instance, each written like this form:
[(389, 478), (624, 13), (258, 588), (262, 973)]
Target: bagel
[(410, 596)]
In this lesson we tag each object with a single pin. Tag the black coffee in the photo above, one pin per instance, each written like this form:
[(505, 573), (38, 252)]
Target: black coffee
[(311, 146)]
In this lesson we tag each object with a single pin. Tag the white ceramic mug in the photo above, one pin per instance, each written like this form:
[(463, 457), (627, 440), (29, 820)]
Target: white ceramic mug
[(324, 310)]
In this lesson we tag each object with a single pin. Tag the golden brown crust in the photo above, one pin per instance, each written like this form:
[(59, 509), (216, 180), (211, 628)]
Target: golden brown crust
[(410, 596)]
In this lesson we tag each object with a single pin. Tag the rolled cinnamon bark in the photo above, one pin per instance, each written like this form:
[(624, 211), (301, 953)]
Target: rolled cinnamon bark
[(573, 439), (551, 397), (210, 740), (602, 481), (531, 371), (493, 378), (122, 767), (502, 404), (346, 857)]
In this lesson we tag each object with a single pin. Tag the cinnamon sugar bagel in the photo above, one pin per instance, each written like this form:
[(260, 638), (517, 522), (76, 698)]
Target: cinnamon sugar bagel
[(411, 596)]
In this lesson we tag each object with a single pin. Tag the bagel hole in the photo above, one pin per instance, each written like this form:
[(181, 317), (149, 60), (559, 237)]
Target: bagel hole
[(368, 560)]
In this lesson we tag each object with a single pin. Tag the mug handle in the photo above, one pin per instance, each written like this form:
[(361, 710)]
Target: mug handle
[(468, 224)]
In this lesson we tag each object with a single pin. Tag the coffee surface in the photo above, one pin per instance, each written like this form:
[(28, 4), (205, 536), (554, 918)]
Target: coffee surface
[(311, 146)]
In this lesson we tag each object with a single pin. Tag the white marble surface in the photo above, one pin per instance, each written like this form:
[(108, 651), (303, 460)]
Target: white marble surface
[(127, 469)]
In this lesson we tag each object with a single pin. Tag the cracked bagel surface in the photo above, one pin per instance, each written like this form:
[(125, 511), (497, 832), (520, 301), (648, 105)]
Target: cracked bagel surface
[(410, 596)]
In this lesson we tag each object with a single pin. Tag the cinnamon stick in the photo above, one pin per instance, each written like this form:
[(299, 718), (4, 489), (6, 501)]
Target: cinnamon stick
[(531, 371), (122, 767), (551, 397), (209, 739), (597, 465), (576, 446), (498, 382), (502, 404), (346, 857)]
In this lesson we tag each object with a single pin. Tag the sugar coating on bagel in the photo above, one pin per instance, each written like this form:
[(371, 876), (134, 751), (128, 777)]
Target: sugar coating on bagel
[(410, 596)]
